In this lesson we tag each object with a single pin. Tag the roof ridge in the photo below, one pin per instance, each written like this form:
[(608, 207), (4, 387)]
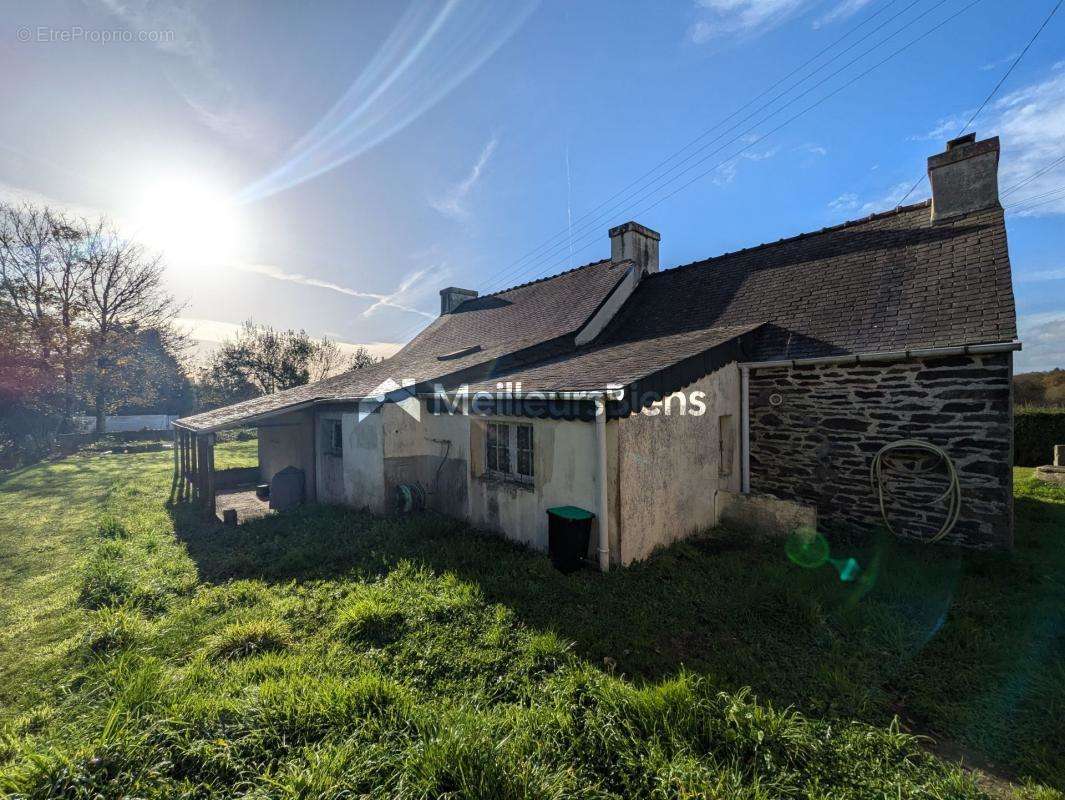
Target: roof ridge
[(798, 237), (541, 280)]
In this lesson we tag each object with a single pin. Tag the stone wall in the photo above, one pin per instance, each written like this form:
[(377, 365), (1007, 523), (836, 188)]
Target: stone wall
[(815, 429)]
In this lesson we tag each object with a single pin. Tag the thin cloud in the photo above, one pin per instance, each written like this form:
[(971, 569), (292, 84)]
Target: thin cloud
[(453, 203), (392, 300), (1001, 62), (1030, 122), (1044, 341), (851, 202), (1039, 276), (193, 69), (842, 11), (718, 18)]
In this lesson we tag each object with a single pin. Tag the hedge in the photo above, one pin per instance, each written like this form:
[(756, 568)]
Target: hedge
[(1035, 432)]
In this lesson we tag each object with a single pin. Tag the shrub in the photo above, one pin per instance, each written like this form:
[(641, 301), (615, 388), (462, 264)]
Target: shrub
[(1036, 431), (111, 630), (371, 619), (106, 582), (111, 528), (241, 639)]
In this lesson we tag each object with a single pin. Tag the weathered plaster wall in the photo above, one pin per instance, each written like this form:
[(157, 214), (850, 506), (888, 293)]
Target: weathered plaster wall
[(288, 440), (565, 474), (816, 446), (432, 452), (670, 466), (363, 481)]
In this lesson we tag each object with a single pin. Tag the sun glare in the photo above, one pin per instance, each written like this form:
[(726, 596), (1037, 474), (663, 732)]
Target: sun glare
[(190, 222)]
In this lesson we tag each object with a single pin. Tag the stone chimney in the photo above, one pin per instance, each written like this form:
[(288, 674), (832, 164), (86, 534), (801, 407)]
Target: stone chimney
[(452, 296), (633, 242), (964, 178)]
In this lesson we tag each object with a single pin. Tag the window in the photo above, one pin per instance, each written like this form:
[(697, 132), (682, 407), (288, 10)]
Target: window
[(509, 451), (332, 437), (498, 447)]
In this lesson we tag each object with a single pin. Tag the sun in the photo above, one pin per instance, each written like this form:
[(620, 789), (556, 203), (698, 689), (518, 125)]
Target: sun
[(189, 221)]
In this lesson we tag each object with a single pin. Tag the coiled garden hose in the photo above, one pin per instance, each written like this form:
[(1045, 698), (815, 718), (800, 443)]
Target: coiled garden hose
[(883, 462)]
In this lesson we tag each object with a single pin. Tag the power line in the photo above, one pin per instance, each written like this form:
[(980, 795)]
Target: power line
[(810, 107), (801, 113), (545, 249), (649, 173), (1043, 197), (1033, 176), (635, 197), (998, 86)]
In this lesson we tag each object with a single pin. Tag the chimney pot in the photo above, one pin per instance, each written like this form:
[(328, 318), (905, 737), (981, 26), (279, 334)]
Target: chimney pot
[(633, 242), (452, 297), (964, 177)]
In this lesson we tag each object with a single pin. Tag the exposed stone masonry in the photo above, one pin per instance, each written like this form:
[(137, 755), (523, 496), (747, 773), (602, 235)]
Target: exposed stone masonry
[(817, 443)]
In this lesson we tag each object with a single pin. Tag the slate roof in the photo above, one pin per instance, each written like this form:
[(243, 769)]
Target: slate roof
[(889, 282)]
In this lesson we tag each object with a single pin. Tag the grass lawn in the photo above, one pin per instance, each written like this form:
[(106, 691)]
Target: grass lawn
[(327, 653)]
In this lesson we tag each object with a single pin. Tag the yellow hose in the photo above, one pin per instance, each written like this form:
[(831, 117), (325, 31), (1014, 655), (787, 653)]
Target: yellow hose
[(877, 478)]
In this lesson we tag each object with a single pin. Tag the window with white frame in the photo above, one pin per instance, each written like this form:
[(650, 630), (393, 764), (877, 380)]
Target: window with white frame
[(509, 451)]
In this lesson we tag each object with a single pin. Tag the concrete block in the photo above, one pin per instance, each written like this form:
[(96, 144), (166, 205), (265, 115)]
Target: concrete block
[(1055, 475), (1059, 455), (763, 513)]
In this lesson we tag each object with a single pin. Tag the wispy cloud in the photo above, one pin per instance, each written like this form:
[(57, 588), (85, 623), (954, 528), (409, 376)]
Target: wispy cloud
[(1038, 276), (727, 172), (193, 70), (453, 202), (718, 18), (1030, 122), (715, 19), (394, 300), (1044, 341), (852, 203), (1000, 62), (842, 10)]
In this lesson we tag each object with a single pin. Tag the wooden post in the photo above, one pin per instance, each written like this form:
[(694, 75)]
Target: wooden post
[(208, 477), (194, 454), (184, 484)]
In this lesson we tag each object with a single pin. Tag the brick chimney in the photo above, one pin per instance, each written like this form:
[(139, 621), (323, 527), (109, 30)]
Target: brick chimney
[(452, 297), (964, 178), (633, 242)]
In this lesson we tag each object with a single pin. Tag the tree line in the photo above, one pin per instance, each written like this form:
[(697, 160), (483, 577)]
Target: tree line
[(87, 327), (1040, 388)]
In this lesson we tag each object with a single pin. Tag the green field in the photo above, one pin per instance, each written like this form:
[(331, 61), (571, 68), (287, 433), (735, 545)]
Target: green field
[(328, 653)]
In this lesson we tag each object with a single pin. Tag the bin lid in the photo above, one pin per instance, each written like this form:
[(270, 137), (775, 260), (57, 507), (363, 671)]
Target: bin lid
[(570, 512)]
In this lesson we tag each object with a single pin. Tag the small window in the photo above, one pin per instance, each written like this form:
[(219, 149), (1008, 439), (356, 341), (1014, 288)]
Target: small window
[(333, 437), (509, 451)]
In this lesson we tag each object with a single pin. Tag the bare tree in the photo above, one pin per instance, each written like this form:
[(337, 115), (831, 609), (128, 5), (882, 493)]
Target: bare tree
[(120, 294), (328, 359), (66, 276), (26, 263)]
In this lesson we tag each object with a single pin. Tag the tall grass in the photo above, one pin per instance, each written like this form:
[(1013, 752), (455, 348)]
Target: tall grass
[(329, 654)]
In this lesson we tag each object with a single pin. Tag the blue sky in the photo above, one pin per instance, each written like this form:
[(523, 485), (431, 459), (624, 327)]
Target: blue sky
[(332, 166)]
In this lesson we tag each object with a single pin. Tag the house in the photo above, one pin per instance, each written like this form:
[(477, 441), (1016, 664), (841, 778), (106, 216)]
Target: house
[(761, 382)]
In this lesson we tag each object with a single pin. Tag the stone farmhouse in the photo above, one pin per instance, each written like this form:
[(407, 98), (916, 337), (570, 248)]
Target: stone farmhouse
[(753, 386)]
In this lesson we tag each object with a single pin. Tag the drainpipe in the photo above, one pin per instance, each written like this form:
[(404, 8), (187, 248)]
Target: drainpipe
[(602, 512), (745, 429)]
